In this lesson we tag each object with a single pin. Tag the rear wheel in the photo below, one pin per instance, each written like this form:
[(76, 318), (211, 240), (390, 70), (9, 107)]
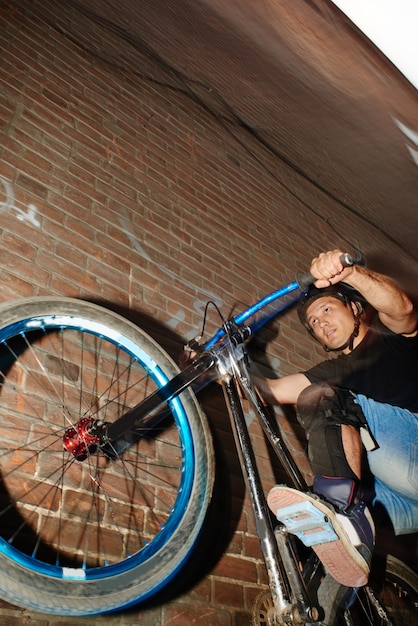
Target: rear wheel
[(84, 529), (391, 598)]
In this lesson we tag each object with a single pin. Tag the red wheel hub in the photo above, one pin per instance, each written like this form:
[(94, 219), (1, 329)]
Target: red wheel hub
[(79, 441)]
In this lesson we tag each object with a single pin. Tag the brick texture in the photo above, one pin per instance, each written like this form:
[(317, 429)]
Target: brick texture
[(116, 186)]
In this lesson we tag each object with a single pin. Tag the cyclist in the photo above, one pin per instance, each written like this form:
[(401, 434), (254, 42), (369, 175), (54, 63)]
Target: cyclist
[(366, 398)]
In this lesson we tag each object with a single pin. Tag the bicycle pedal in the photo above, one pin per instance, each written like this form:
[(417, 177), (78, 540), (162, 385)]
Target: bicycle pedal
[(309, 524)]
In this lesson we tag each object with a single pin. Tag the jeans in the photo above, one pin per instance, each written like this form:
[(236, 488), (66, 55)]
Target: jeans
[(394, 463)]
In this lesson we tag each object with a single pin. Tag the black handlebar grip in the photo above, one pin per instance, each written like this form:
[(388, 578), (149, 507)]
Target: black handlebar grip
[(307, 279), (347, 260)]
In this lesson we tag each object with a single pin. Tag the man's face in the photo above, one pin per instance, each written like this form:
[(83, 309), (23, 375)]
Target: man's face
[(331, 320)]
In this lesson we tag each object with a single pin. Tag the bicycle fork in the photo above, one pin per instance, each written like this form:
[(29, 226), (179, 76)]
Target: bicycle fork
[(290, 600)]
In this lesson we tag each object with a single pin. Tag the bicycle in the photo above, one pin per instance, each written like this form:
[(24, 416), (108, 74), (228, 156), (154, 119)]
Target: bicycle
[(107, 468)]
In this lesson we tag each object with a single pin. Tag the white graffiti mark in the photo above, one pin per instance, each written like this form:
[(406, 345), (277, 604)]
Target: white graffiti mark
[(28, 215), (174, 321), (198, 304), (414, 154), (412, 136)]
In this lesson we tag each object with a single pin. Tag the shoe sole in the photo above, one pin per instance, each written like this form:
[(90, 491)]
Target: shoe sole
[(340, 557)]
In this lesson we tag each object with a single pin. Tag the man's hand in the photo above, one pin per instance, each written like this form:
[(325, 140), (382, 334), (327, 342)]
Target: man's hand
[(393, 306), (328, 269)]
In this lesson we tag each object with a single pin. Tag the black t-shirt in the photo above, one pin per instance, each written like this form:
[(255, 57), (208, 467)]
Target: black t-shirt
[(384, 367)]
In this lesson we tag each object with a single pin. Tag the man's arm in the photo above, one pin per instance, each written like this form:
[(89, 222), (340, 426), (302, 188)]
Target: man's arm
[(284, 390), (393, 306)]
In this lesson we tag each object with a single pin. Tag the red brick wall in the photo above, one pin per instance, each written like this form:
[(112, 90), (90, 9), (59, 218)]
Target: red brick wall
[(117, 186)]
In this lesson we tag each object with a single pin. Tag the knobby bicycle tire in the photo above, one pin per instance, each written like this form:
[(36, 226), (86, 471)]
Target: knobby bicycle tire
[(393, 584), (85, 530), (395, 587)]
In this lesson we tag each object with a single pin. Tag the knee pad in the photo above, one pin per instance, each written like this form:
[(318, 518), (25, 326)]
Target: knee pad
[(324, 404), (322, 410)]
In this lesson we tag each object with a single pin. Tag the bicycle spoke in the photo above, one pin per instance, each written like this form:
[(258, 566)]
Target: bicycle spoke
[(75, 508), (104, 381)]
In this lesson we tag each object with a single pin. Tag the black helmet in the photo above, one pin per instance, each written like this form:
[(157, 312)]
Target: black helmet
[(341, 291)]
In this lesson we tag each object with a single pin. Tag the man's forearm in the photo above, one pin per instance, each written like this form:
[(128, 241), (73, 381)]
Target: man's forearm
[(392, 304)]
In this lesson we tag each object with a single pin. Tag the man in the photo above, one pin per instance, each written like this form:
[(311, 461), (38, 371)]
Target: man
[(366, 398)]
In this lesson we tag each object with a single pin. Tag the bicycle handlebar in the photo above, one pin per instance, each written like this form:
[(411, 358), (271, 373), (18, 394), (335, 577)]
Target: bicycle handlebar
[(346, 260), (267, 302)]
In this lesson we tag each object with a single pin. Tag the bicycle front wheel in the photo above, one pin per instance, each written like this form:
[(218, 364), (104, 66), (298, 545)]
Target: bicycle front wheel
[(85, 530)]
